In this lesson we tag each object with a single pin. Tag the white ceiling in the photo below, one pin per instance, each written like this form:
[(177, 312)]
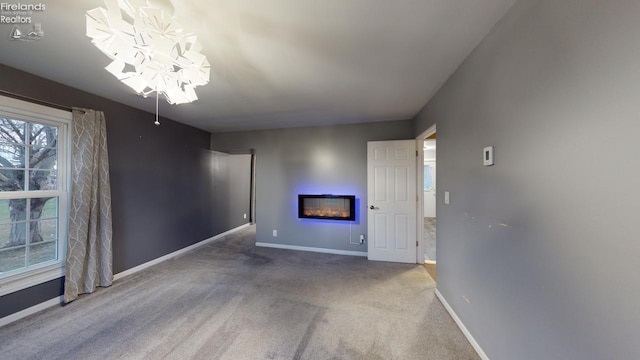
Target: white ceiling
[(281, 63)]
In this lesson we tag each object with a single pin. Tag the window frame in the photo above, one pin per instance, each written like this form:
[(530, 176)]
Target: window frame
[(53, 269)]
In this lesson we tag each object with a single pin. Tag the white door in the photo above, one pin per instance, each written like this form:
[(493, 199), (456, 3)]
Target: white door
[(391, 195)]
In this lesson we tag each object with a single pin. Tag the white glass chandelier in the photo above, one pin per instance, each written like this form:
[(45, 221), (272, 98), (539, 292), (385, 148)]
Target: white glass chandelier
[(149, 50)]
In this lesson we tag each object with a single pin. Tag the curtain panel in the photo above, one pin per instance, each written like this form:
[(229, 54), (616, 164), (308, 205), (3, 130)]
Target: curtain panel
[(89, 256)]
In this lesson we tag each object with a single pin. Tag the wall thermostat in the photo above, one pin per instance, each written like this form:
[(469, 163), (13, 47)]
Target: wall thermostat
[(487, 156)]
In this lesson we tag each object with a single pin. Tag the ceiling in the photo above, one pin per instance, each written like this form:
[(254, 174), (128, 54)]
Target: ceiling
[(281, 63)]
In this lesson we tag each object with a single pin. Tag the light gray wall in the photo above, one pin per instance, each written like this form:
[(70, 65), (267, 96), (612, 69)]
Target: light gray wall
[(240, 174), (315, 160), (544, 245), (231, 180)]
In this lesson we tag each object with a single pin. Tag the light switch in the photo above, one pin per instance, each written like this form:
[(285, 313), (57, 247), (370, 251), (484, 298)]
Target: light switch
[(446, 197), (487, 156)]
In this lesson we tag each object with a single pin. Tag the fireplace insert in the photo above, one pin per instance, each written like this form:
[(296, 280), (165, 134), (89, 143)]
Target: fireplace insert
[(327, 207)]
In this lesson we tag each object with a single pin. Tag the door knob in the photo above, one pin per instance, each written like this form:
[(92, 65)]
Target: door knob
[(372, 207)]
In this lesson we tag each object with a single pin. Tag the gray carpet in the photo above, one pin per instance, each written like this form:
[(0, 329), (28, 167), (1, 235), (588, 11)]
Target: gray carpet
[(230, 300)]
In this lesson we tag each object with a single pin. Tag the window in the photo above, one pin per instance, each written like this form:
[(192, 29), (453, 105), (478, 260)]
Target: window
[(428, 177), (33, 193)]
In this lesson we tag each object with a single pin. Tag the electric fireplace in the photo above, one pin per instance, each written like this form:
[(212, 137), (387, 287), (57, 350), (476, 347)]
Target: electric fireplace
[(327, 207)]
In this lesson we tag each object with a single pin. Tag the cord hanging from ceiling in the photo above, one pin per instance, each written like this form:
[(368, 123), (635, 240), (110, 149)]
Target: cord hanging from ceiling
[(157, 121)]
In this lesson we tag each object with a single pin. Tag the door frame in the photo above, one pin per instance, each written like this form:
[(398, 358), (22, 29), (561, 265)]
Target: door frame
[(252, 191), (419, 190)]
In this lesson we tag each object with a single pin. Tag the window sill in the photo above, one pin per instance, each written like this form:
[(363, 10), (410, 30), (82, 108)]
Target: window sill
[(31, 278)]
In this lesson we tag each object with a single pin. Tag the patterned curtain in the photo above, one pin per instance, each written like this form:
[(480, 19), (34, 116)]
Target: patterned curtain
[(89, 260)]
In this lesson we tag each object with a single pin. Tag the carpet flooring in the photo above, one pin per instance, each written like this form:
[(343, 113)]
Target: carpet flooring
[(231, 300)]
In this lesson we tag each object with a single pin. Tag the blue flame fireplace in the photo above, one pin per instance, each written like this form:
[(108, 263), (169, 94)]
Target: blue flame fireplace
[(327, 207)]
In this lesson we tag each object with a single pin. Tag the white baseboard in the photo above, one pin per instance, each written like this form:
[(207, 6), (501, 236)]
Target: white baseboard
[(58, 300), (463, 328), (30, 311), (148, 264), (311, 249)]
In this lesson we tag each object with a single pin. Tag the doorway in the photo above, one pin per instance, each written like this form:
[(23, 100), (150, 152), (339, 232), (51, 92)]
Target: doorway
[(252, 190), (429, 199), (427, 191)]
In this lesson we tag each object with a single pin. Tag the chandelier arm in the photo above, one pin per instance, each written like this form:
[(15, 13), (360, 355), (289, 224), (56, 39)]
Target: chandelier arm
[(149, 49)]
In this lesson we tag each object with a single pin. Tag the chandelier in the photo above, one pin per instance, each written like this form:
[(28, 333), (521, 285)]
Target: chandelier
[(149, 50)]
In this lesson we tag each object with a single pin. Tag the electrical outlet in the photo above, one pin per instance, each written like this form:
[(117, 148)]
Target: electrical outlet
[(275, 233), (245, 216), (361, 239)]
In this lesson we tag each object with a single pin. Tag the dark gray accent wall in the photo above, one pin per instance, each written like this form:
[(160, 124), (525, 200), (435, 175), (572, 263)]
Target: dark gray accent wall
[(162, 182), (538, 255), (29, 297), (313, 160)]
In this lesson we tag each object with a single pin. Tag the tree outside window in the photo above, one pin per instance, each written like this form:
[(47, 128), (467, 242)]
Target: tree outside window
[(29, 201)]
